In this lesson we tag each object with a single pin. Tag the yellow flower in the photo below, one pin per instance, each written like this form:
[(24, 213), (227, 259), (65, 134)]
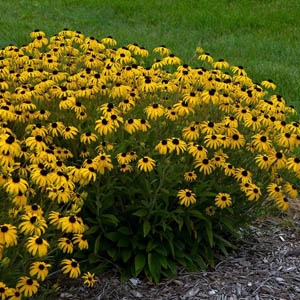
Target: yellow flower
[(8, 235), (146, 164), (71, 267), (40, 269), (222, 200), (27, 286), (37, 245), (186, 197), (89, 279), (190, 176)]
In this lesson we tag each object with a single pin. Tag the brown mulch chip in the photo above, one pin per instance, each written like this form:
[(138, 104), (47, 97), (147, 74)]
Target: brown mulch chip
[(266, 267)]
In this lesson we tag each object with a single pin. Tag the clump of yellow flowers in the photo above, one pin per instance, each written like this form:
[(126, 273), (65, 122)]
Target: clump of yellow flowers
[(68, 104)]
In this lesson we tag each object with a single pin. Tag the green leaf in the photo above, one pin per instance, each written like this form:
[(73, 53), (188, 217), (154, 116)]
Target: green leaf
[(227, 223), (161, 249), (172, 247), (125, 274), (154, 266), (146, 227), (197, 214), (93, 258), (97, 244), (111, 219), (141, 213), (139, 263), (207, 194), (200, 262), (123, 242), (125, 230), (151, 245), (112, 252), (172, 266), (126, 254), (209, 232), (113, 236), (92, 230)]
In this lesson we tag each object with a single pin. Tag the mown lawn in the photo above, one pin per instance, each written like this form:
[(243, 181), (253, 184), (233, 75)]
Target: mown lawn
[(261, 35)]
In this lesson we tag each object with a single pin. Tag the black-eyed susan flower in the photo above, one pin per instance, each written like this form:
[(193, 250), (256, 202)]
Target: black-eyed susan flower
[(27, 286), (144, 125), (205, 165), (125, 168), (293, 163), (206, 57), (42, 177), (15, 185), (253, 122), (291, 190), (55, 218), (209, 127), (186, 197), (162, 50), (223, 200), (171, 60), (190, 133), (263, 161), (33, 209), (171, 114), (213, 141), (274, 190), (221, 64), (197, 151), (163, 146), (36, 143), (243, 175), (14, 293), (237, 140), (177, 145), (261, 142), (253, 192), (146, 164), (69, 132), (183, 108), (210, 210), (88, 138), (39, 269), (3, 290), (9, 144), (56, 128), (33, 224), (89, 279), (81, 241), (8, 235), (277, 159), (229, 169), (124, 158), (65, 245), (103, 162), (104, 126), (190, 176), (71, 267), (37, 245), (132, 125), (72, 224), (154, 111), (269, 84), (282, 202)]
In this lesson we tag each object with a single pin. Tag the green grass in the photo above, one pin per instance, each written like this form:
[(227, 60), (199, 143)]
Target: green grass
[(261, 35)]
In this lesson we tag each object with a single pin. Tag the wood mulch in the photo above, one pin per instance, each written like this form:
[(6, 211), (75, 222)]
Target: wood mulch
[(267, 266)]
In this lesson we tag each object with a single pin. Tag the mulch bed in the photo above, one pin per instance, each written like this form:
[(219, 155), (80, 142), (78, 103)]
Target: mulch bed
[(267, 266)]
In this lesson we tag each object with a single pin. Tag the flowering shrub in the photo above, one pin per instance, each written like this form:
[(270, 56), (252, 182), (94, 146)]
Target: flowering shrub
[(110, 158)]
